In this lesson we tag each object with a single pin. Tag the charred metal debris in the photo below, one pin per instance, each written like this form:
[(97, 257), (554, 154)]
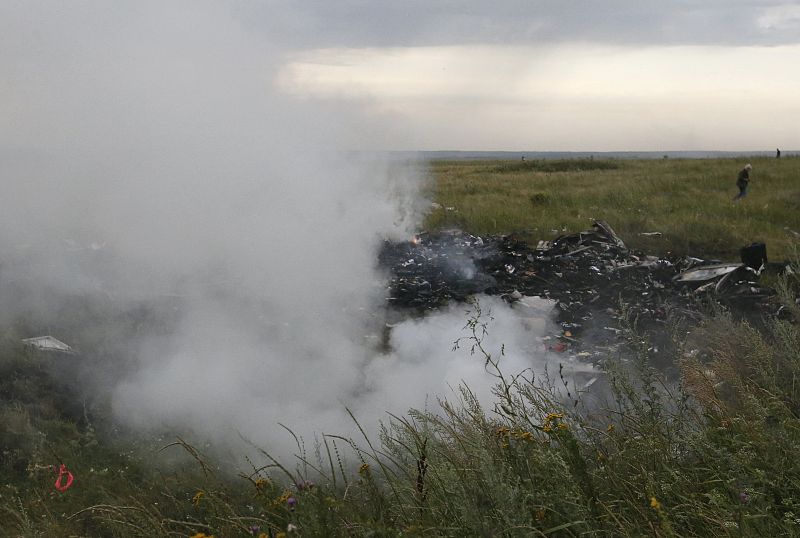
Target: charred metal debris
[(590, 275)]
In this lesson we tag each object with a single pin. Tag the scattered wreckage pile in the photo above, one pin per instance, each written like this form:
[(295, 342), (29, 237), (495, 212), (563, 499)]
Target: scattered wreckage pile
[(592, 276)]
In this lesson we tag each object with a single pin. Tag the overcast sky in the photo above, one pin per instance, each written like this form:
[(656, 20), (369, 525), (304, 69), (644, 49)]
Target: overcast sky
[(414, 74)]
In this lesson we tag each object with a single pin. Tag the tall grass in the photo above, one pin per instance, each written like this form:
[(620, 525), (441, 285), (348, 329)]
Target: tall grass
[(711, 454)]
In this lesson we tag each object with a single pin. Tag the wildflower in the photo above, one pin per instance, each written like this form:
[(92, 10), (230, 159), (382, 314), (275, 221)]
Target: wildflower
[(262, 483), (364, 469), (527, 436), (304, 484), (610, 428), (654, 504), (540, 515), (280, 535), (255, 529), (551, 420), (283, 499), (263, 535), (202, 535), (291, 502), (744, 497), (197, 497), (291, 527)]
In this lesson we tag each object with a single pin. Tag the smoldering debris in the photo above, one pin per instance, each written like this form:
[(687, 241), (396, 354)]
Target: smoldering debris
[(594, 279), (431, 269)]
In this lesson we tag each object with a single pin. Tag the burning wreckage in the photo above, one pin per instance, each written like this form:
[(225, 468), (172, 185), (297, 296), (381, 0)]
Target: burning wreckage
[(593, 279)]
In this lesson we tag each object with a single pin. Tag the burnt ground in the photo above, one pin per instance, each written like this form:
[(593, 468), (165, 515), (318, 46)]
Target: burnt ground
[(599, 286)]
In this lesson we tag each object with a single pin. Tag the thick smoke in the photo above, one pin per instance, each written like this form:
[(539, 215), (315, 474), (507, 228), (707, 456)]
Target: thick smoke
[(225, 373), (148, 161)]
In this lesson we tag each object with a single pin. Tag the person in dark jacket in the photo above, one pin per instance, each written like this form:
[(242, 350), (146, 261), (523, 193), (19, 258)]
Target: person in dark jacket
[(742, 180)]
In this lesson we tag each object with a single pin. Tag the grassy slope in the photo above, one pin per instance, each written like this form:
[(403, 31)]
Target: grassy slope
[(688, 200)]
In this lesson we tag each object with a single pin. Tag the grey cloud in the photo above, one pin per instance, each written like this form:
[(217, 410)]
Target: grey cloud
[(365, 23)]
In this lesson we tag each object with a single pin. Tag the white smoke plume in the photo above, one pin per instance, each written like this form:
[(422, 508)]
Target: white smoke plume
[(146, 156)]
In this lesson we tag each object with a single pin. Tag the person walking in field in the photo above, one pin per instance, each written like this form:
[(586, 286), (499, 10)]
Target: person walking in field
[(742, 180)]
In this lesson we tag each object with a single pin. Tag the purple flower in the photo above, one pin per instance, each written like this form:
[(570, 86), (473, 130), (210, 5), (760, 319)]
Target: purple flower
[(291, 502), (304, 484), (744, 497), (255, 529)]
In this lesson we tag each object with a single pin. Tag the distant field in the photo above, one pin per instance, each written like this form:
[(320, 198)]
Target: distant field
[(688, 200)]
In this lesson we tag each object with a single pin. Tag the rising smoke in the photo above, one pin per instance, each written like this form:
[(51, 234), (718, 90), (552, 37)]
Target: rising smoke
[(147, 158)]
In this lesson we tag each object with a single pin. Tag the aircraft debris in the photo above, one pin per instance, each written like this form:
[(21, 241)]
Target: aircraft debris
[(594, 280), (48, 343)]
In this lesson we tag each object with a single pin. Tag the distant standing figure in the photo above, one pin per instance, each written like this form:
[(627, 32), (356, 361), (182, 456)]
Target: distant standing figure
[(742, 180), (778, 153)]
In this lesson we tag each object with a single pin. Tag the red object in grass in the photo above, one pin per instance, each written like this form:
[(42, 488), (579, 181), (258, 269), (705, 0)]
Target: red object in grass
[(63, 472), (560, 347)]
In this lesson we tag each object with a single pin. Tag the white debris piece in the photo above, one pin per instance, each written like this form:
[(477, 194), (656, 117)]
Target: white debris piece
[(707, 272), (47, 343)]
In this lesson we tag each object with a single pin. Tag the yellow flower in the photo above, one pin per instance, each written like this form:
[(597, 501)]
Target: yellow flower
[(552, 420), (202, 535), (364, 469), (263, 535), (654, 504), (281, 501), (261, 483), (197, 497), (610, 428), (280, 535)]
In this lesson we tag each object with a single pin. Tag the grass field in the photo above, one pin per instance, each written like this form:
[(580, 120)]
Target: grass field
[(688, 200), (714, 455)]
